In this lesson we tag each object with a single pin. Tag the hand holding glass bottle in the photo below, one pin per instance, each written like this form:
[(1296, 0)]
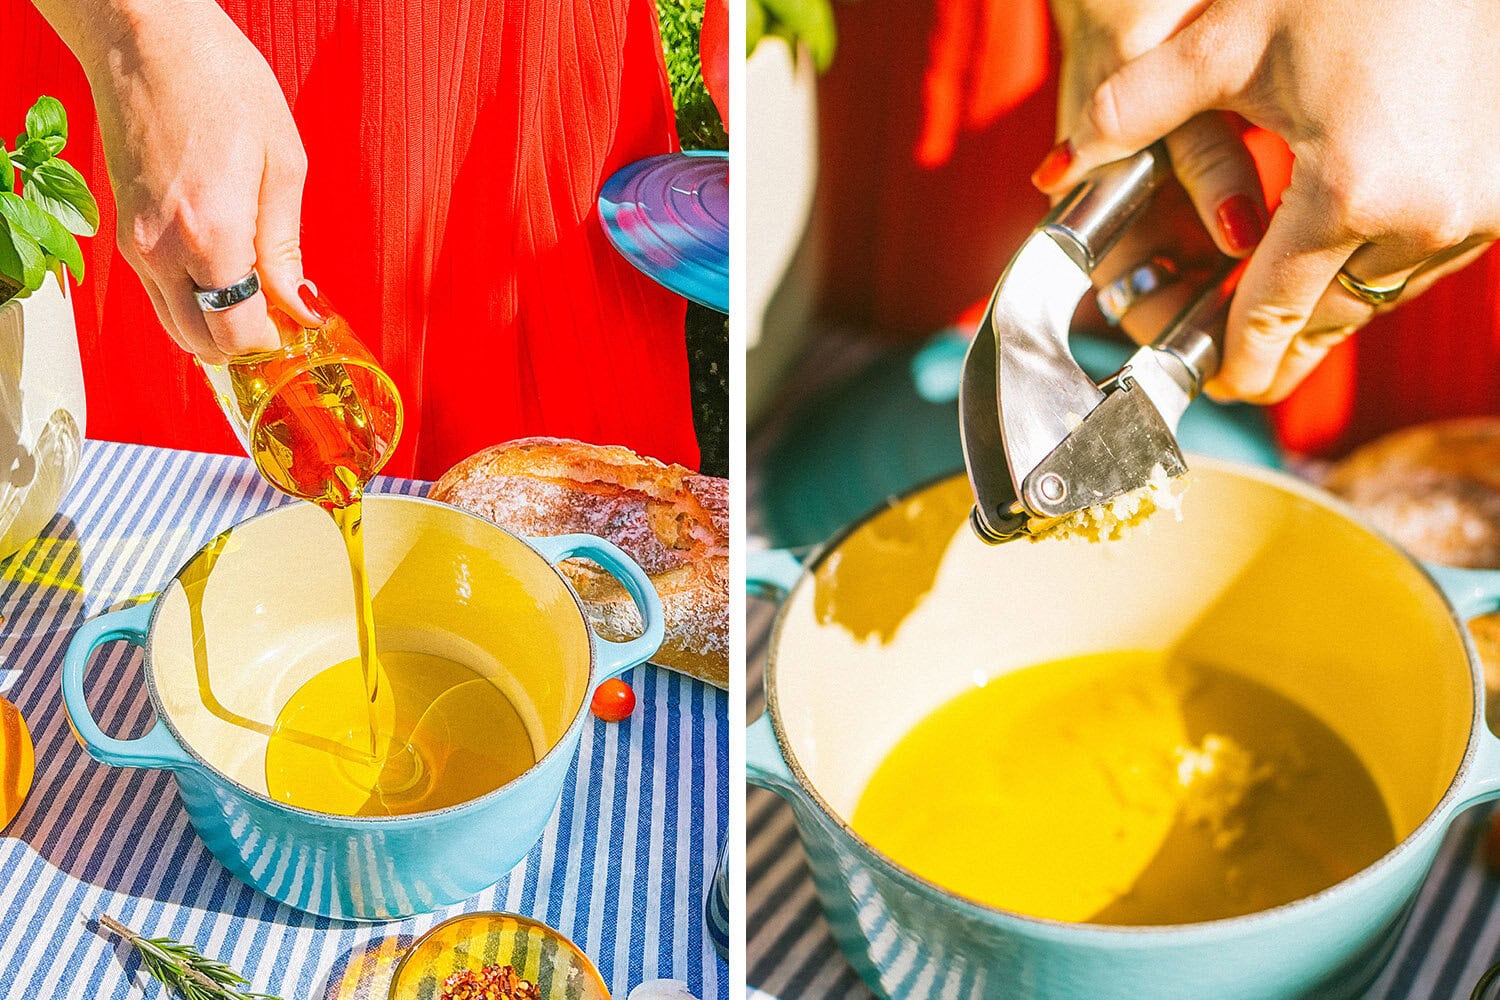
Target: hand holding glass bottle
[(318, 414)]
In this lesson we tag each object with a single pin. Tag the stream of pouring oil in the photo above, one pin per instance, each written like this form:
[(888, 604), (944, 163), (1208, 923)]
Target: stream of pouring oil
[(350, 521), (315, 438)]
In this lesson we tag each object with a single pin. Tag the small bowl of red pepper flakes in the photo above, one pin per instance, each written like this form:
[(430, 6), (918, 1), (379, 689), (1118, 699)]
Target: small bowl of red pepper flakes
[(495, 956)]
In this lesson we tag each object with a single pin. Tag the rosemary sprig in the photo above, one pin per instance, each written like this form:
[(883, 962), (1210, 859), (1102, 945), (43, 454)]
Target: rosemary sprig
[(182, 968)]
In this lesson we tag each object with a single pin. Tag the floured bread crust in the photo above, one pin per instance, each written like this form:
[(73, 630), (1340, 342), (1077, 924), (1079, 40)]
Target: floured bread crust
[(1434, 488), (671, 520)]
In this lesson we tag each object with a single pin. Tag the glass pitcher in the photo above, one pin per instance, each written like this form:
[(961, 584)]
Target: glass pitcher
[(318, 415)]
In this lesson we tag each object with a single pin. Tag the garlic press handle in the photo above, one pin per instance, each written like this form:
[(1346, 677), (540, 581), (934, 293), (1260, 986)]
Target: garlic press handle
[(1196, 336), (1090, 220)]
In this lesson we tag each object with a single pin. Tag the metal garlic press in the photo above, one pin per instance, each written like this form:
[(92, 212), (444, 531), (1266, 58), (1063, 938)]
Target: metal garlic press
[(1041, 439)]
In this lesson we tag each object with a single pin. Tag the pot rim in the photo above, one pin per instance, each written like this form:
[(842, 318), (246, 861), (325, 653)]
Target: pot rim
[(1437, 817), (573, 729)]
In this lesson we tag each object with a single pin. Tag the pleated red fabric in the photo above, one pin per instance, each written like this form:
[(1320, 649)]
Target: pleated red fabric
[(455, 150), (933, 116)]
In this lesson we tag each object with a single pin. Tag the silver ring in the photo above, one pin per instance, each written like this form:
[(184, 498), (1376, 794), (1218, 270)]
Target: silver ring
[(1116, 298), (212, 300)]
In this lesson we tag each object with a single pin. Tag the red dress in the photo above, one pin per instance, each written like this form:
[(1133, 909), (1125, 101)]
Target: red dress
[(455, 151), (933, 116)]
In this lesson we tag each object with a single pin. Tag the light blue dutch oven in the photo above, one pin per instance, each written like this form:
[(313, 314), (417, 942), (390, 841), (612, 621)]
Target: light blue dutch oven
[(269, 603), (1265, 576)]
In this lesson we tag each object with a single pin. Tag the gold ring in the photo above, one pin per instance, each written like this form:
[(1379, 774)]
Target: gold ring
[(1369, 293)]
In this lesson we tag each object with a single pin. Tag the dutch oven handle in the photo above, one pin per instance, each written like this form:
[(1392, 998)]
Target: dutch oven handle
[(770, 573), (614, 657), (157, 749), (1474, 592)]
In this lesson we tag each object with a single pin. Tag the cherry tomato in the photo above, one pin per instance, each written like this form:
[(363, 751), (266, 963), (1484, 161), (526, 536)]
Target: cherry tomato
[(613, 701)]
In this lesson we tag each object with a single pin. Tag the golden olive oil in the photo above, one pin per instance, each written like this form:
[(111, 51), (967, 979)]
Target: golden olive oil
[(319, 428), (1125, 788), (444, 735)]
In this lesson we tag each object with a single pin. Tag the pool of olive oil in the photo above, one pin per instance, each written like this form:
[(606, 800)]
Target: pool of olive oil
[(394, 732), (443, 734), (1126, 788)]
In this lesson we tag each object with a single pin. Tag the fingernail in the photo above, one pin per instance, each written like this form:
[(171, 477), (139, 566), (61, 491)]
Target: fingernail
[(310, 299), (1054, 165), (1241, 222)]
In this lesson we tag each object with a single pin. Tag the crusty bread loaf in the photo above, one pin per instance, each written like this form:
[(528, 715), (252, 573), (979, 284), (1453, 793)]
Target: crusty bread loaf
[(672, 521), (1434, 488)]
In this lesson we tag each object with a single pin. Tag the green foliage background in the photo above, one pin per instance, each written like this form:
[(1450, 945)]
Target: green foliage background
[(698, 124), (707, 332)]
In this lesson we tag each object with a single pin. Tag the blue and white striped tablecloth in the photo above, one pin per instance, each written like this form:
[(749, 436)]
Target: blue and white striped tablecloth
[(1452, 937), (622, 869)]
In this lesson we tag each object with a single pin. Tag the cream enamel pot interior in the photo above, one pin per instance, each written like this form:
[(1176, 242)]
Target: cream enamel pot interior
[(1264, 575), (269, 603)]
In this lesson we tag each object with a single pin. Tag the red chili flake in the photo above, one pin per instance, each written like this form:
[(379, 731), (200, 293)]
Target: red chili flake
[(493, 982)]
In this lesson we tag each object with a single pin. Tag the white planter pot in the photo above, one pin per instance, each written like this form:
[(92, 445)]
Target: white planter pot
[(781, 160), (41, 411)]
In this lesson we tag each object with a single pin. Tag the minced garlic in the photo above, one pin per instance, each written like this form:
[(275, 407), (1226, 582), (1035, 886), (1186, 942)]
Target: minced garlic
[(1114, 520), (1217, 776)]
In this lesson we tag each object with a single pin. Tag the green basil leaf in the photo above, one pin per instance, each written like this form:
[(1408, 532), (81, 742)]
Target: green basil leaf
[(23, 215), (10, 261), (47, 118), (21, 258), (71, 256), (48, 233), (7, 171), (54, 144), (61, 190), (33, 152)]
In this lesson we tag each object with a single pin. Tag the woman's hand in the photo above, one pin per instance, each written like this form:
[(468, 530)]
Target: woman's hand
[(1390, 110), (1209, 159), (204, 158), (1216, 206)]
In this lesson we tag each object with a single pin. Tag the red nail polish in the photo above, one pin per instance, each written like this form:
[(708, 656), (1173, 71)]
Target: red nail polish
[(312, 301), (1241, 222), (1054, 165)]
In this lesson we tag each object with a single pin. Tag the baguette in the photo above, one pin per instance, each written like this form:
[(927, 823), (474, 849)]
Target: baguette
[(1434, 488), (670, 520)]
